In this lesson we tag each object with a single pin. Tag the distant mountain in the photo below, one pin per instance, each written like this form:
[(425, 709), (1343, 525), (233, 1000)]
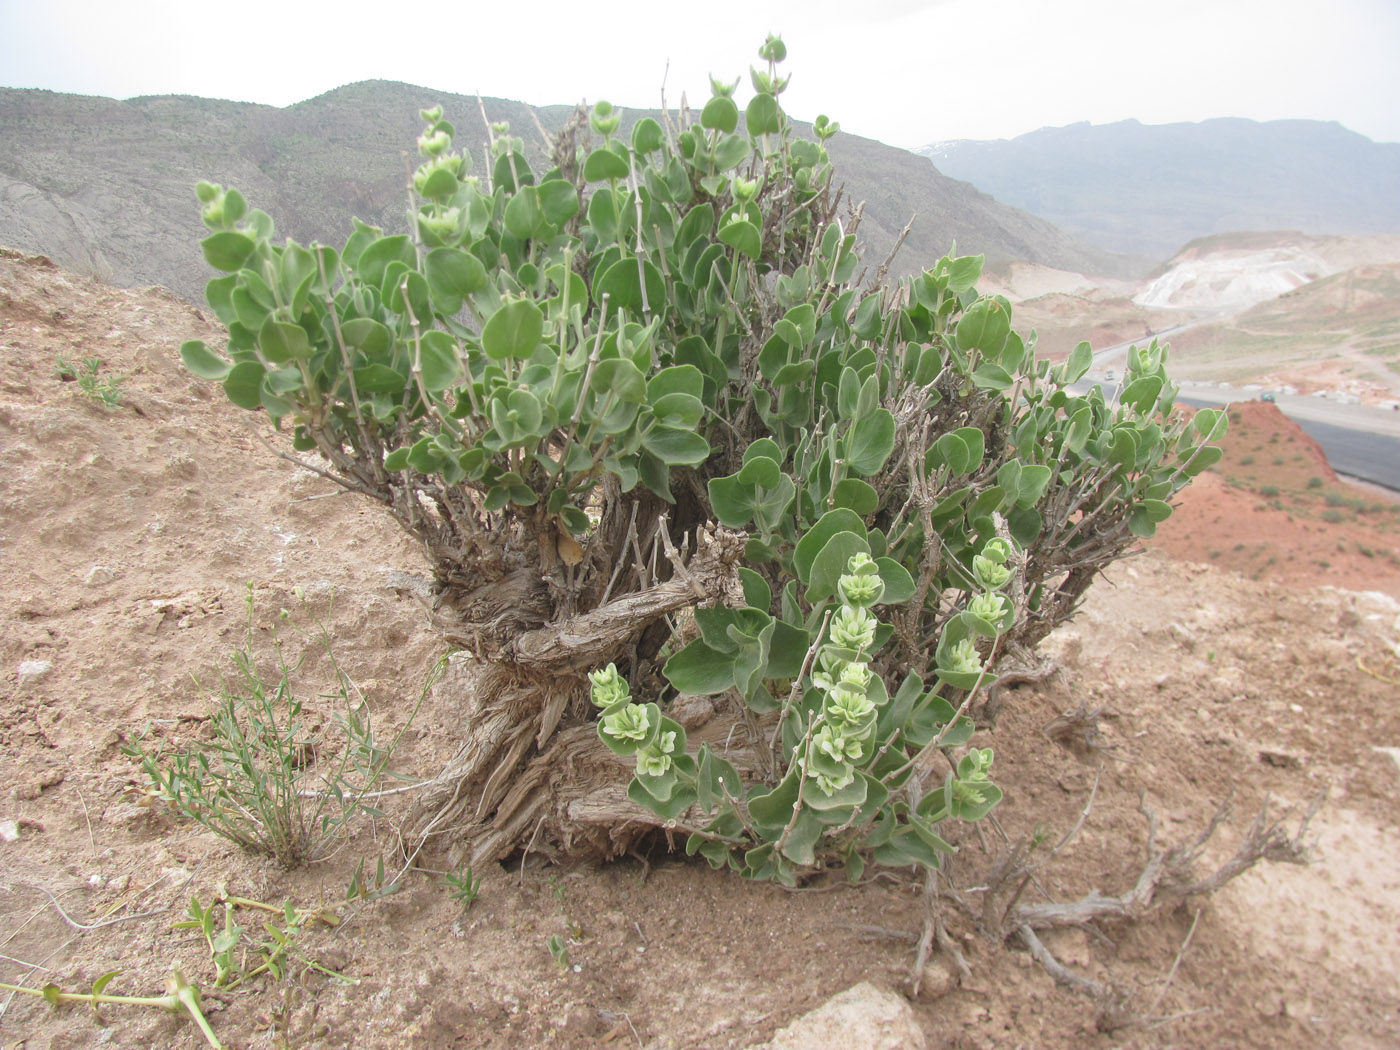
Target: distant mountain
[(1146, 190), (107, 187)]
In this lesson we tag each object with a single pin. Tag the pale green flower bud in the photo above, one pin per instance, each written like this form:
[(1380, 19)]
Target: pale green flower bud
[(998, 550), (629, 723), (433, 144), (962, 658), (830, 784), (853, 628), (607, 687), (990, 606), (719, 89), (863, 591), (829, 741), (989, 573), (652, 763), (849, 705), (744, 190)]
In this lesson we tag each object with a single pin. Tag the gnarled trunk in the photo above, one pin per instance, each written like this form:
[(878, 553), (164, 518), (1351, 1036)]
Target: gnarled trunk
[(531, 772)]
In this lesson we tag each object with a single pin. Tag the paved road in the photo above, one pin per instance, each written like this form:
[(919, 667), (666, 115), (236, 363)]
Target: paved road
[(1359, 441), (1371, 454)]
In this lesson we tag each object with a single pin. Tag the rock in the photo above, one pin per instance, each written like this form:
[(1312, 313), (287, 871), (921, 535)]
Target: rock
[(861, 1018), (32, 670), (9, 830), (99, 575), (940, 977)]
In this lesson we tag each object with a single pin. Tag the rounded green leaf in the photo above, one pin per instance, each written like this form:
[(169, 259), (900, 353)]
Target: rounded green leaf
[(647, 136), (452, 276), (203, 362), (700, 671), (524, 217), (441, 367), (985, 326), (720, 114), (743, 236), (558, 201), (281, 342), (763, 117), (870, 442), (830, 564), (621, 378), (243, 384), (676, 447), (810, 545), (622, 284), (227, 250), (513, 331), (603, 164)]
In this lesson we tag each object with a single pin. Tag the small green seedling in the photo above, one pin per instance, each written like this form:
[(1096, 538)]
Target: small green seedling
[(181, 997), (106, 389), (239, 956), (558, 951), (465, 887)]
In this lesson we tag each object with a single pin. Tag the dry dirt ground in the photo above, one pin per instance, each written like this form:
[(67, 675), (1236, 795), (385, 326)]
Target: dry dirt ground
[(128, 538)]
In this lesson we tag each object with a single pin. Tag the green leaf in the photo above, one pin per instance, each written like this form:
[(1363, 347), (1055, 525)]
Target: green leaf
[(513, 331), (647, 136), (699, 670), (622, 283), (899, 584), (227, 250), (558, 201), (676, 447), (439, 362), (985, 327), (856, 495), (1201, 459), (452, 276), (831, 562), (1142, 393), (203, 362), (603, 164), (375, 259), (771, 811), (762, 116), (621, 378), (368, 336), (720, 114), (243, 384), (870, 442), (743, 236), (989, 376), (281, 342), (524, 218), (810, 545), (1081, 359), (379, 379)]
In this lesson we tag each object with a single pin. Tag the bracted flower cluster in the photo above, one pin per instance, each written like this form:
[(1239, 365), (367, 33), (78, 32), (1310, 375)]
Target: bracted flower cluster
[(846, 722), (631, 726)]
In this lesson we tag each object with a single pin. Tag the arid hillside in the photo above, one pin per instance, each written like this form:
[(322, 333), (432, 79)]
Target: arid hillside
[(130, 537)]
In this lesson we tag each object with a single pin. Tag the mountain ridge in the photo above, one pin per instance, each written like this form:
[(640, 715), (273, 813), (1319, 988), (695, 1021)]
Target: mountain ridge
[(106, 186), (1146, 189)]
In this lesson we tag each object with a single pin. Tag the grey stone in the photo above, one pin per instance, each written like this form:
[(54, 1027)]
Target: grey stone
[(863, 1017)]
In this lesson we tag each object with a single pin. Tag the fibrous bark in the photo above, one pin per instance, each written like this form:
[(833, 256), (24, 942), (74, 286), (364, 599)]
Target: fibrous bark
[(531, 771)]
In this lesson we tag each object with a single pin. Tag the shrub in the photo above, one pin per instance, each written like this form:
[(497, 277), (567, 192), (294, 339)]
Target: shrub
[(649, 375), (1268, 490), (1314, 482), (1332, 516)]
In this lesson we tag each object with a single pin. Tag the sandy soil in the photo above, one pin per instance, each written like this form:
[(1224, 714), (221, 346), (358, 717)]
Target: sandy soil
[(128, 537)]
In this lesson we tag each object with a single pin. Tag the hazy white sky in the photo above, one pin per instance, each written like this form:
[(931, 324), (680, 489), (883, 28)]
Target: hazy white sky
[(906, 72)]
